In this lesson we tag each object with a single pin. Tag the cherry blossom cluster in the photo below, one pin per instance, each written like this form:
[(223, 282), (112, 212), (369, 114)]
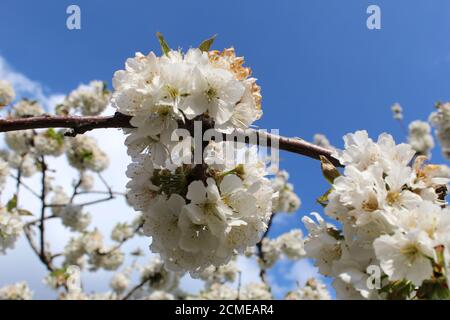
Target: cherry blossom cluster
[(289, 244), (313, 289), (198, 215), (287, 200), (17, 291), (91, 245), (420, 137), (251, 291), (88, 100), (441, 121), (198, 223), (10, 229), (391, 210), (26, 145), (7, 93), (397, 111), (11, 224)]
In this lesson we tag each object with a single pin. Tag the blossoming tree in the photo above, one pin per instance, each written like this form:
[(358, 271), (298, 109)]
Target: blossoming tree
[(205, 202)]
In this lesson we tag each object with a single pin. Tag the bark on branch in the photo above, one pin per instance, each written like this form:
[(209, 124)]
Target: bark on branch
[(80, 125)]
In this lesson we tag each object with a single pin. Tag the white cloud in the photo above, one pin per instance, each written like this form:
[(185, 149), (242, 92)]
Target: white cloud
[(249, 274), (287, 275), (301, 271), (27, 88), (249, 270), (191, 285), (284, 219)]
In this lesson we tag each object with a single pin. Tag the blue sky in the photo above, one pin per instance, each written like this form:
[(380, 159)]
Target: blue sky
[(320, 68)]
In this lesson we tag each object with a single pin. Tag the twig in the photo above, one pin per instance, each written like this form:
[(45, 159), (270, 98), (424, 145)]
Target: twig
[(120, 244), (34, 247), (239, 285), (111, 194), (32, 222), (26, 227), (75, 189), (403, 127), (84, 204), (56, 255), (20, 181), (136, 288), (42, 252), (106, 185), (260, 253), (115, 193), (30, 239)]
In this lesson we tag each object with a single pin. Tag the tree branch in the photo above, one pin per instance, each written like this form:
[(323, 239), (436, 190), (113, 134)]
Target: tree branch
[(260, 253), (80, 125), (136, 288), (19, 182), (121, 243), (43, 253), (83, 204)]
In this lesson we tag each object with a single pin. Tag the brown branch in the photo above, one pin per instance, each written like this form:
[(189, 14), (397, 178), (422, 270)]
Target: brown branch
[(260, 253), (43, 254), (114, 193), (33, 222), (83, 204), (239, 285), (81, 125), (27, 227), (105, 183), (121, 243), (19, 181), (75, 189), (136, 288), (48, 264), (78, 124), (30, 239)]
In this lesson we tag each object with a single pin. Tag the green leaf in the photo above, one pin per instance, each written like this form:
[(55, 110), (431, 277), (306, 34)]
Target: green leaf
[(206, 44), (398, 290), (105, 88), (86, 155), (12, 203), (328, 169), (171, 182), (323, 199), (62, 109), (164, 46), (24, 212), (53, 134), (434, 290)]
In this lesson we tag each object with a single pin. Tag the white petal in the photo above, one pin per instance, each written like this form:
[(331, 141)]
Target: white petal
[(196, 192)]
